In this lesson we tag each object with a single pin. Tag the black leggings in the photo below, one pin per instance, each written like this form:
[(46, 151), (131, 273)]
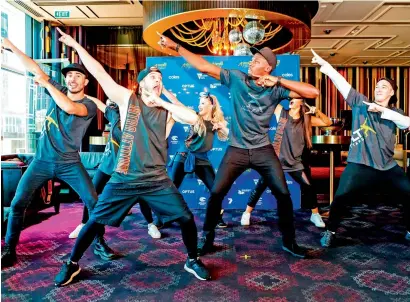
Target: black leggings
[(204, 173), (301, 177), (100, 179), (357, 179), (89, 231)]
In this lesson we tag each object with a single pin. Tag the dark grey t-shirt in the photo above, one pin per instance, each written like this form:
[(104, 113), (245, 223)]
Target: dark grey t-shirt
[(292, 142), (141, 159), (252, 106), (196, 143), (62, 133), (373, 138)]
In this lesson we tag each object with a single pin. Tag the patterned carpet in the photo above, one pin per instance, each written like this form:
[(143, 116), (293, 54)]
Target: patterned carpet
[(371, 263)]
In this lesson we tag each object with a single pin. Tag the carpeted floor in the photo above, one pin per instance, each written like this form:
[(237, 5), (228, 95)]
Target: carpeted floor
[(372, 262)]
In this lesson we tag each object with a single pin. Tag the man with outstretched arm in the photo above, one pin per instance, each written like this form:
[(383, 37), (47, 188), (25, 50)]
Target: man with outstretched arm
[(140, 173), (68, 117), (370, 159), (254, 97)]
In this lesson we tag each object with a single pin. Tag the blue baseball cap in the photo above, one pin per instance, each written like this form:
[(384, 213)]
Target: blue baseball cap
[(143, 73)]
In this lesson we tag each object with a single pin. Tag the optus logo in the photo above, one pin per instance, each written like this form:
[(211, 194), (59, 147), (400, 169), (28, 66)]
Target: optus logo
[(173, 77), (188, 191)]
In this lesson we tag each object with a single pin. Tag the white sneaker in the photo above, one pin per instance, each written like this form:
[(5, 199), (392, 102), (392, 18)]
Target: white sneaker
[(153, 231), (317, 220), (246, 218), (74, 234)]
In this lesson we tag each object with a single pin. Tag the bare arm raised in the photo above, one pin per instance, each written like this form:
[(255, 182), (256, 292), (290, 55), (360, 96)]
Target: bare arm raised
[(115, 92), (60, 98), (29, 64), (196, 61)]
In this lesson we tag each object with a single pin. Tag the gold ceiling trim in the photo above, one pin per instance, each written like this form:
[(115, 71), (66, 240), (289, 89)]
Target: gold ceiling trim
[(297, 28)]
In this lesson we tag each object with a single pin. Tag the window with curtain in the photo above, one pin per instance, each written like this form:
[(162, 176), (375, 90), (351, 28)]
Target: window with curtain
[(13, 79)]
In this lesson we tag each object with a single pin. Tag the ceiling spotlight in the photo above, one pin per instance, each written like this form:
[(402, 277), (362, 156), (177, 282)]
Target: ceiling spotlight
[(327, 31), (364, 62)]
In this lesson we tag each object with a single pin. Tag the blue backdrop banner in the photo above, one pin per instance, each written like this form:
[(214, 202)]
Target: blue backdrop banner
[(186, 83)]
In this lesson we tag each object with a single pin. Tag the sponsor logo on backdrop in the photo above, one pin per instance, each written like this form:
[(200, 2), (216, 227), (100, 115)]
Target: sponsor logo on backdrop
[(220, 64), (287, 75), (289, 182), (216, 149), (277, 63), (268, 191), (272, 129), (171, 157), (186, 128), (190, 107), (244, 64), (202, 201), (173, 77), (161, 66), (200, 182), (259, 203), (185, 86), (243, 191), (186, 65), (255, 180), (230, 200), (202, 76), (188, 191), (216, 85), (174, 139)]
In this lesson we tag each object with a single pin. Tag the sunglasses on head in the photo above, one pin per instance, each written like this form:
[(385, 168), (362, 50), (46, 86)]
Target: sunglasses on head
[(207, 95)]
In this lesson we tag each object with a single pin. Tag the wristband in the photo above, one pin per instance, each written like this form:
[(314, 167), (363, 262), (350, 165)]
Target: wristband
[(278, 81)]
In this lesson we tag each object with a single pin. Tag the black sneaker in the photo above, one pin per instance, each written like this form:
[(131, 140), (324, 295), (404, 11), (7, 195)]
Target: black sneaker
[(67, 273), (327, 238), (102, 250), (221, 224), (8, 256), (294, 249), (197, 268), (205, 247)]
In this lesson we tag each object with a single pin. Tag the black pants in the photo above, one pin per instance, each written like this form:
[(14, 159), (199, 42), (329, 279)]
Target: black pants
[(301, 177), (39, 172), (264, 161), (118, 198), (100, 179), (358, 179), (204, 173)]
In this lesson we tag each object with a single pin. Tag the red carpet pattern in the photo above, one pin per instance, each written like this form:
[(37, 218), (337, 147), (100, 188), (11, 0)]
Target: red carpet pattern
[(370, 263)]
